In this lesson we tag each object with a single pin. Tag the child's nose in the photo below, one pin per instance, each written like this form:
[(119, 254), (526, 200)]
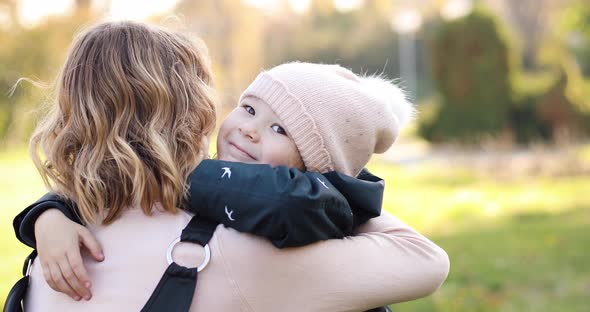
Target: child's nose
[(249, 130)]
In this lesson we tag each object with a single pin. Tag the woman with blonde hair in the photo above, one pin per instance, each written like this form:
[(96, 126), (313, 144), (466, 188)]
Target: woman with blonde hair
[(134, 109)]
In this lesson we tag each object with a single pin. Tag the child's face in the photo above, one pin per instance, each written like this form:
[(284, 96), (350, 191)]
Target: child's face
[(252, 133)]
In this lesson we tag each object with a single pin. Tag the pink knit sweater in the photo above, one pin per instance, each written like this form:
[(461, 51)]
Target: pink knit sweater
[(387, 262)]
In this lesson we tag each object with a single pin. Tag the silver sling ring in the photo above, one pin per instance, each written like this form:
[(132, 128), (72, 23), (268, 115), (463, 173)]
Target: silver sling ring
[(200, 267)]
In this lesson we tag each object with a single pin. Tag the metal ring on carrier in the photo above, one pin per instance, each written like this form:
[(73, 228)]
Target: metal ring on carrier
[(200, 267), (30, 261)]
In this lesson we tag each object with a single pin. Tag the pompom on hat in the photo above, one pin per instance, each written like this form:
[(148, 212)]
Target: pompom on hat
[(336, 118)]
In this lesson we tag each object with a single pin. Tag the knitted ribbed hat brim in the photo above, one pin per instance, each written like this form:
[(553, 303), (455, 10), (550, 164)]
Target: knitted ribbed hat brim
[(299, 123)]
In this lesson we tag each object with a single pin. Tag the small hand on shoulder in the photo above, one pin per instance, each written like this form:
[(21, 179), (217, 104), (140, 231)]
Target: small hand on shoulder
[(59, 241)]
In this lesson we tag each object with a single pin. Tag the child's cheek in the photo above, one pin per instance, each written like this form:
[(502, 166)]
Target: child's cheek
[(284, 156)]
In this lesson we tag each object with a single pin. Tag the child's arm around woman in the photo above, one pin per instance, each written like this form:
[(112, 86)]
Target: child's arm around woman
[(386, 262)]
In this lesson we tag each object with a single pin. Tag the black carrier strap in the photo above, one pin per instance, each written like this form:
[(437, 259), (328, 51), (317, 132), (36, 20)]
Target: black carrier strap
[(16, 296), (176, 288)]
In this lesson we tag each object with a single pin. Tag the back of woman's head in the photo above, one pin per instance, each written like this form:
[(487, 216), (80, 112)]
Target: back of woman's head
[(132, 105)]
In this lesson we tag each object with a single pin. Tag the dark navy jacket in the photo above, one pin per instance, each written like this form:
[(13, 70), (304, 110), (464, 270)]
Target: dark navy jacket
[(287, 206)]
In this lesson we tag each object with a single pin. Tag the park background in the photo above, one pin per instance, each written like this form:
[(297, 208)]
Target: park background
[(496, 169)]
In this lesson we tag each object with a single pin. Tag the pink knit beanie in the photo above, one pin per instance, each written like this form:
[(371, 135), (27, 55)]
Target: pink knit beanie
[(336, 118)]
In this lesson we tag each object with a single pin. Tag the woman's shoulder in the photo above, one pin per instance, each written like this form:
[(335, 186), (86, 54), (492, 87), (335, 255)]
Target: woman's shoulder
[(133, 218)]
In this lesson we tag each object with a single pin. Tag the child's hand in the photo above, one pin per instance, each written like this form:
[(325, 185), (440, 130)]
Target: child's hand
[(58, 246)]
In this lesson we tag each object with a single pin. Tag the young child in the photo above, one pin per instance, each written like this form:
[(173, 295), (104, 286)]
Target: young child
[(321, 118), (309, 116)]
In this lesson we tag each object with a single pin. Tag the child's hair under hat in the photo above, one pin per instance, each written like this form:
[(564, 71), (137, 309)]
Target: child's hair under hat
[(336, 118)]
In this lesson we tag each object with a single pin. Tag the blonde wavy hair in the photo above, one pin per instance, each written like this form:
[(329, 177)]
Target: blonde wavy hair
[(133, 104)]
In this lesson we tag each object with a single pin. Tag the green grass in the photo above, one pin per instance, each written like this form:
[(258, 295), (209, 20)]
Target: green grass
[(529, 262), (439, 201), (19, 185), (515, 245)]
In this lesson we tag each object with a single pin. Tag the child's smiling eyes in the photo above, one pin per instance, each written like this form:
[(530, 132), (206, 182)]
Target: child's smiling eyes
[(275, 127)]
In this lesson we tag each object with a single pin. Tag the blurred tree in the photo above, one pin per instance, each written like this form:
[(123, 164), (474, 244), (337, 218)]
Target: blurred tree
[(233, 33), (531, 20), (562, 105), (34, 53), (575, 24), (553, 103), (360, 39), (473, 66)]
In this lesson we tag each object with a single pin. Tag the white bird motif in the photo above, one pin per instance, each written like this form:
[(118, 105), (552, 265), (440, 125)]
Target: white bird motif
[(226, 170), (229, 213), (323, 183)]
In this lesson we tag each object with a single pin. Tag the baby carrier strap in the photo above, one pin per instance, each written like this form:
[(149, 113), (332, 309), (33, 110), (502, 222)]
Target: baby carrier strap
[(176, 288), (15, 300), (199, 230)]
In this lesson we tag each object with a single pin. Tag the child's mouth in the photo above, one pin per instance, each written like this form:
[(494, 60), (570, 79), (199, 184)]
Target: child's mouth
[(242, 151)]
